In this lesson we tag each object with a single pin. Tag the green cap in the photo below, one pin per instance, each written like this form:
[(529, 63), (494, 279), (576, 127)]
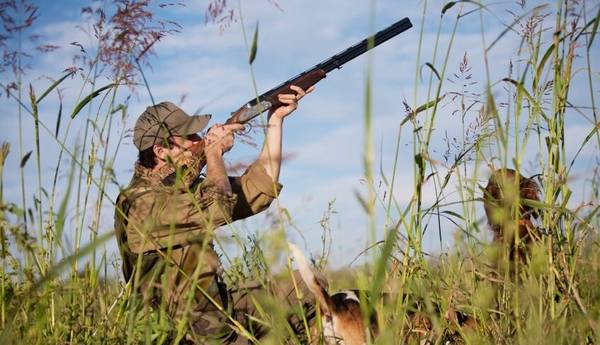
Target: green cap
[(160, 121)]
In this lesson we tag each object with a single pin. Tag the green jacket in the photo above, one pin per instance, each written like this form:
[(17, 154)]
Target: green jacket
[(152, 218)]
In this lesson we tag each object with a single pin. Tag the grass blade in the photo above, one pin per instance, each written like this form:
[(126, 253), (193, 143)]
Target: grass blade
[(60, 109), (25, 159), (62, 210), (422, 108), (89, 97), (428, 64), (53, 86), (540, 68), (585, 141), (451, 4), (87, 249), (594, 29), (522, 89), (254, 46)]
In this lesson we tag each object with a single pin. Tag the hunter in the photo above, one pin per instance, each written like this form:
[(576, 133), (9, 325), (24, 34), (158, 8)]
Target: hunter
[(166, 218)]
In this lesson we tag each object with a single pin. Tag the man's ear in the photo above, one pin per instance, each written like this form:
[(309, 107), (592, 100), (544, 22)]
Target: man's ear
[(160, 152)]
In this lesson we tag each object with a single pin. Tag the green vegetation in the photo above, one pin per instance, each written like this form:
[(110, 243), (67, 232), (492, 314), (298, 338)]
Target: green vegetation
[(55, 291)]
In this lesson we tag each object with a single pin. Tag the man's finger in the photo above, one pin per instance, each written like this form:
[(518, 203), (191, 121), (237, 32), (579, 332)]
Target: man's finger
[(287, 96), (298, 90), (287, 100), (234, 127)]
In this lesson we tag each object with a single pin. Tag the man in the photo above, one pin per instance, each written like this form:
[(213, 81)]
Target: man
[(166, 218)]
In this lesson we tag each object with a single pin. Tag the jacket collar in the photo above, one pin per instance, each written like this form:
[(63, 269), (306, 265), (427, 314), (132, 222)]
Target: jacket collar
[(190, 169)]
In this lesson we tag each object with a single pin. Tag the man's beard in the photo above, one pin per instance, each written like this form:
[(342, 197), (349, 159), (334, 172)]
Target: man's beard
[(183, 173)]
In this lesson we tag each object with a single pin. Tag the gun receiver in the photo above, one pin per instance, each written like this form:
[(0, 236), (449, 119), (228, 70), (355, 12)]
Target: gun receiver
[(313, 75)]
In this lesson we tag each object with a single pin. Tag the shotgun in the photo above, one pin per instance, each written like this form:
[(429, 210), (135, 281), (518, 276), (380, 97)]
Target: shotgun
[(313, 75), (304, 80)]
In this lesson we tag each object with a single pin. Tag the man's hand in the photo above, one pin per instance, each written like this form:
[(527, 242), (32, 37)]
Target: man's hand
[(221, 137), (290, 101)]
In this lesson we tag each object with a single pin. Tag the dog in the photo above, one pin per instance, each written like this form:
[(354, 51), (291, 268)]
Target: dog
[(342, 316), (343, 319), (499, 196)]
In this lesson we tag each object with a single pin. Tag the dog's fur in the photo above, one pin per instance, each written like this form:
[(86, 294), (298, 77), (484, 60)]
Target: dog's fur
[(504, 186), (342, 317)]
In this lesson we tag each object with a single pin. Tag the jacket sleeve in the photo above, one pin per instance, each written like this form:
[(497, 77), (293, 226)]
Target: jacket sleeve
[(166, 218), (255, 190)]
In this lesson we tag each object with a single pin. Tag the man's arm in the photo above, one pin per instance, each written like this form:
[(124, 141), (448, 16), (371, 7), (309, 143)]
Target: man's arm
[(270, 156), (219, 140), (215, 170)]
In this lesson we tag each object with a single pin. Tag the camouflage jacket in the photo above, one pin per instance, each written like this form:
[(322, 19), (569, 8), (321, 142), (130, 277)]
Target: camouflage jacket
[(151, 217)]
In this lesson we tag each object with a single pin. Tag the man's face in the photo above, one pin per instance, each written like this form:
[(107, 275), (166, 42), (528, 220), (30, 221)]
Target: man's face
[(180, 148), (185, 143)]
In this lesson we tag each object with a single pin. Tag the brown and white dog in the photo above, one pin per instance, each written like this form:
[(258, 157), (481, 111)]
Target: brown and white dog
[(342, 316), (343, 320)]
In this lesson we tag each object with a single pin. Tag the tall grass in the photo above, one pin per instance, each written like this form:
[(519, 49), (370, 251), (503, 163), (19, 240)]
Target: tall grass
[(62, 289)]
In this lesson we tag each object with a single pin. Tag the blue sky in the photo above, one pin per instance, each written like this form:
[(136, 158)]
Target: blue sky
[(325, 135)]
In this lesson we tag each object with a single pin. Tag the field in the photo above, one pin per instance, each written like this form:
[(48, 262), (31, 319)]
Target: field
[(58, 284)]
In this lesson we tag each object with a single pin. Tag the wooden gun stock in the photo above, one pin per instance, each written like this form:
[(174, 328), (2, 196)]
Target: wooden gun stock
[(270, 100), (304, 82)]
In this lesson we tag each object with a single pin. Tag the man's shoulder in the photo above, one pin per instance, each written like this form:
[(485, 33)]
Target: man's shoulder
[(140, 193), (140, 199), (136, 188), (139, 190)]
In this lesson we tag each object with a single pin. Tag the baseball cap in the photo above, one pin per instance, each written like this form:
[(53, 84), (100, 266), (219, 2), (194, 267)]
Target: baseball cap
[(163, 120)]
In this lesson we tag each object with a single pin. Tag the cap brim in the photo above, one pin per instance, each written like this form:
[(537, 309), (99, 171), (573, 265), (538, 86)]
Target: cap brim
[(195, 124)]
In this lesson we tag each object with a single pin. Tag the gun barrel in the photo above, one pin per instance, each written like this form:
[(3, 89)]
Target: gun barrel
[(365, 45), (348, 54)]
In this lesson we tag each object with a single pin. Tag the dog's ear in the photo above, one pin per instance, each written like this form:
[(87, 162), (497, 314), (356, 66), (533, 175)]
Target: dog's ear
[(317, 285)]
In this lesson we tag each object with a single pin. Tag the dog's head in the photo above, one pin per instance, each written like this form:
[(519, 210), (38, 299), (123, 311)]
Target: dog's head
[(343, 322), (503, 188)]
